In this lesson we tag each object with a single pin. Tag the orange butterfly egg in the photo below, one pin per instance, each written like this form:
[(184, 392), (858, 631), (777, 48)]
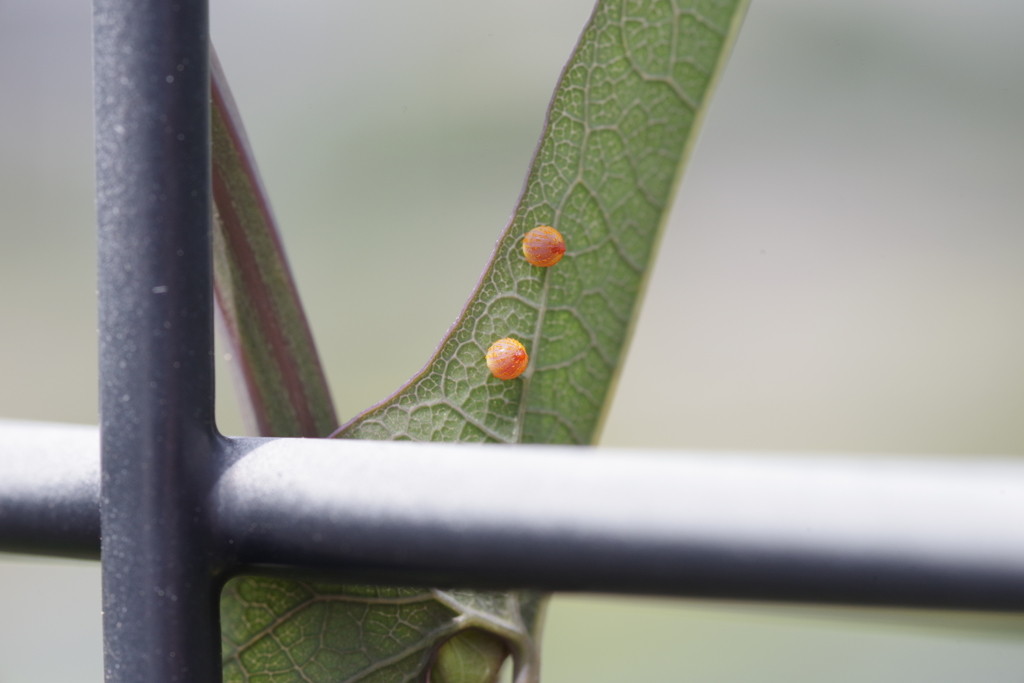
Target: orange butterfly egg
[(506, 359), (543, 246)]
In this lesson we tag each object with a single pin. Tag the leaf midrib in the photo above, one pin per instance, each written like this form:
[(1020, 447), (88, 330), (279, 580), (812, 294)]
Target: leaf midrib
[(542, 308)]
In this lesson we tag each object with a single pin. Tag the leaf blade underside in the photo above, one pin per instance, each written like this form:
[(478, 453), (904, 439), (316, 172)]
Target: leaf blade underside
[(621, 123), (278, 630)]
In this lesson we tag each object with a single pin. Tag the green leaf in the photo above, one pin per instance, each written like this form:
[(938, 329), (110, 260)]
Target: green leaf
[(286, 392), (621, 124), (277, 630)]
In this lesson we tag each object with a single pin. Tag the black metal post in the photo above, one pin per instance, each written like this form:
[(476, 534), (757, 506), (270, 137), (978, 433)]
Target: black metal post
[(156, 339)]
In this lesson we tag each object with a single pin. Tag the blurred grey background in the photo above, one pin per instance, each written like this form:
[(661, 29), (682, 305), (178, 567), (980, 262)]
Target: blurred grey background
[(842, 271)]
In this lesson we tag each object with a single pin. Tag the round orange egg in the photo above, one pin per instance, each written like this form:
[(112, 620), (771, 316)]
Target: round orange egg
[(543, 246), (506, 359)]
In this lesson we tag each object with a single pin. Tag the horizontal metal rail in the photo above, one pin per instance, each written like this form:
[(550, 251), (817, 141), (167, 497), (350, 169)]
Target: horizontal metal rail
[(50, 489), (913, 531)]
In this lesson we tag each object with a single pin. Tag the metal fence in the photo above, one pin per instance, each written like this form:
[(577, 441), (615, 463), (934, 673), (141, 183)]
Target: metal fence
[(182, 508)]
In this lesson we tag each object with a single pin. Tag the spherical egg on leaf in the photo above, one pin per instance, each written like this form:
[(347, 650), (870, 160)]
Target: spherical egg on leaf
[(506, 359), (543, 246)]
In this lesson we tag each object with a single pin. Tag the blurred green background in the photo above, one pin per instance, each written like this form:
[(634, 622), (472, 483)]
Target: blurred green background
[(842, 271)]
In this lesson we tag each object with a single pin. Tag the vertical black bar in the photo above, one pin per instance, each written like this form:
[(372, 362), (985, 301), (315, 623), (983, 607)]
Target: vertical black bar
[(156, 366)]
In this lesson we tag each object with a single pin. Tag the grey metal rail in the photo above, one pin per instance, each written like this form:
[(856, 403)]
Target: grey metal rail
[(50, 489), (930, 532)]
